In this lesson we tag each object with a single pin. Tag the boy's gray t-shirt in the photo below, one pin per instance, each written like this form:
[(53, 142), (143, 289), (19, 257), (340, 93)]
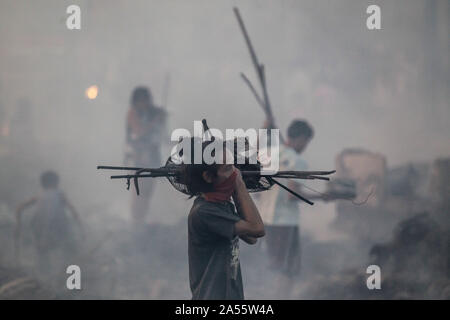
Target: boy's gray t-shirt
[(213, 249)]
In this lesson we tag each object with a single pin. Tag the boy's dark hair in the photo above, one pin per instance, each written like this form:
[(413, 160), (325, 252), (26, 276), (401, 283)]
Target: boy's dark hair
[(140, 93), (299, 128), (49, 179), (192, 175)]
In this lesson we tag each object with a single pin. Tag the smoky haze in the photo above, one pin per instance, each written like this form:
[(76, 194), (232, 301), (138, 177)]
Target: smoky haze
[(381, 90)]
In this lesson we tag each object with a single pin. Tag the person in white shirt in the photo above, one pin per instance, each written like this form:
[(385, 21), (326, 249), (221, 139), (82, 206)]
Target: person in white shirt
[(280, 209)]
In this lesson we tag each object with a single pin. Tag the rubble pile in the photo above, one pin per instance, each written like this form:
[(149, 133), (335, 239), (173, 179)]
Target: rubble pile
[(406, 228), (414, 264), (16, 284)]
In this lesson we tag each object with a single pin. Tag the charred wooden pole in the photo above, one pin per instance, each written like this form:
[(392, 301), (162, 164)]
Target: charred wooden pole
[(264, 102)]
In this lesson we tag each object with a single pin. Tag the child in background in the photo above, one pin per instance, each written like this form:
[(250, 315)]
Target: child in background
[(51, 225)]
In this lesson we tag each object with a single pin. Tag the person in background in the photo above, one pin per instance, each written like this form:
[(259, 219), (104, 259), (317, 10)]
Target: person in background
[(52, 221), (145, 127), (280, 209)]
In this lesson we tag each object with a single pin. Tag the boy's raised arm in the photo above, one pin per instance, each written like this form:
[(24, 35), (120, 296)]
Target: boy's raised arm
[(251, 225)]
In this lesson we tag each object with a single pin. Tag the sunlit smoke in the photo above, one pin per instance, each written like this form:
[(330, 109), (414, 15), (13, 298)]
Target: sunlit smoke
[(92, 92)]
